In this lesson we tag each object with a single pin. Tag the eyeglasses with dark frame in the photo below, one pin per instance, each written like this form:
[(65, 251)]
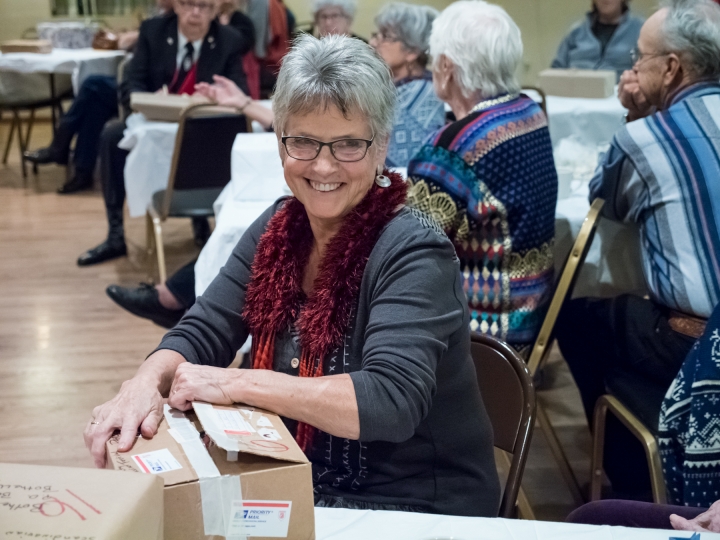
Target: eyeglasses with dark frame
[(307, 149), (189, 5), (636, 55), (380, 37)]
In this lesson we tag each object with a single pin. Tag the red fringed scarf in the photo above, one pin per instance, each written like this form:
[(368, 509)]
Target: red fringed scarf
[(274, 299)]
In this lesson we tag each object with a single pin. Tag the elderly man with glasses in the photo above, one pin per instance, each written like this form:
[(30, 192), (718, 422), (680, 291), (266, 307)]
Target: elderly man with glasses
[(174, 53), (662, 172)]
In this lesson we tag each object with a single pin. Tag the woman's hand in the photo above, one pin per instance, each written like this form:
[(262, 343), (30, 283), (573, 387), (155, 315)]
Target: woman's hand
[(224, 92), (203, 383), (708, 521), (137, 405), (631, 97)]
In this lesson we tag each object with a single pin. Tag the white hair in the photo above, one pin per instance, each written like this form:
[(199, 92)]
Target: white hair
[(347, 6), (410, 23), (692, 30), (335, 70), (483, 43)]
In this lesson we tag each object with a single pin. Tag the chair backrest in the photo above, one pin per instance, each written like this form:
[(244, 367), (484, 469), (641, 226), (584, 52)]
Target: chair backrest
[(203, 145), (509, 397), (565, 284), (538, 95)]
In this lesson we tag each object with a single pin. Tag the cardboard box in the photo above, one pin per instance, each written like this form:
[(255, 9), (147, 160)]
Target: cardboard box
[(61, 502), (168, 107), (26, 46), (251, 480), (582, 83)]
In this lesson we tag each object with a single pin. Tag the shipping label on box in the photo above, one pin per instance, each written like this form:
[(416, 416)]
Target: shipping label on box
[(252, 480), (60, 502)]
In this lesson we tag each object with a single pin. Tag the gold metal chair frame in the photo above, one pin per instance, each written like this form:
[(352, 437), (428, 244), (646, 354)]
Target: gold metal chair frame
[(154, 216), (544, 341), (610, 403)]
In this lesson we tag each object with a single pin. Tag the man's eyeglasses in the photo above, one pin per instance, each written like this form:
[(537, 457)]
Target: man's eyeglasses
[(636, 55), (307, 149), (384, 38), (189, 5)]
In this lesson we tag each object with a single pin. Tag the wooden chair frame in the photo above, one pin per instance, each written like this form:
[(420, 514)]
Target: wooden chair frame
[(513, 497), (609, 403), (155, 217), (544, 341)]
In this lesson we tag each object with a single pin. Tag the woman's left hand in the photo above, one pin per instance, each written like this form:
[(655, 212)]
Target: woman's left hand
[(202, 383)]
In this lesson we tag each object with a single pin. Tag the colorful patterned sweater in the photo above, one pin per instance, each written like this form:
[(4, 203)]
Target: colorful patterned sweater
[(489, 181)]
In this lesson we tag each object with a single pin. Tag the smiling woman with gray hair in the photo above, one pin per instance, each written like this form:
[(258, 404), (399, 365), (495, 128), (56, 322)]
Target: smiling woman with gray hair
[(360, 330), (489, 178), (333, 17), (402, 41)]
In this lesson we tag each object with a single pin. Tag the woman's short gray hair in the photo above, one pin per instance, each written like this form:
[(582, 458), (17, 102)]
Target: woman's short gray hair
[(483, 42), (411, 24), (348, 6), (335, 70), (692, 30)]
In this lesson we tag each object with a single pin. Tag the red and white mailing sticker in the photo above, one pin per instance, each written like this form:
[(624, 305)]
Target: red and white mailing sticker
[(260, 518), (156, 462)]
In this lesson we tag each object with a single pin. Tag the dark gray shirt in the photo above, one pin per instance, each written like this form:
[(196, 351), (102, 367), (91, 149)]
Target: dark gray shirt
[(425, 438)]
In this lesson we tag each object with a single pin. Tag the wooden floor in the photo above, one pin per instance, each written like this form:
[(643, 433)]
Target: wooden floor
[(66, 347)]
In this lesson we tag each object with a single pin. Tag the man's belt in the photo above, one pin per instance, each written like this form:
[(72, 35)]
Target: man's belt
[(687, 325)]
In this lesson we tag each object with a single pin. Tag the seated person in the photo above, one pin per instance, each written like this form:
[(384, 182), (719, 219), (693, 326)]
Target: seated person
[(343, 265), (402, 41), (202, 48), (661, 174), (488, 179), (602, 40), (334, 17), (96, 103)]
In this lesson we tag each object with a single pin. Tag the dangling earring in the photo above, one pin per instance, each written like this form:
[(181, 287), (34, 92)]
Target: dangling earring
[(382, 180)]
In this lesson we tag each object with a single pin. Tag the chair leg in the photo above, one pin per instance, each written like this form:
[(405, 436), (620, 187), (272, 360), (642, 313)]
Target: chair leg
[(598, 448), (159, 248), (525, 511), (559, 455)]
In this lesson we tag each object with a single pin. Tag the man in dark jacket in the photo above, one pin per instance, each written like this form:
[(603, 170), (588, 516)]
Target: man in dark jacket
[(176, 52)]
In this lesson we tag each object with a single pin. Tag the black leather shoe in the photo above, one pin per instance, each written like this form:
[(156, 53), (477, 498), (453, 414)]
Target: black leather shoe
[(43, 156), (78, 183), (103, 252), (144, 302)]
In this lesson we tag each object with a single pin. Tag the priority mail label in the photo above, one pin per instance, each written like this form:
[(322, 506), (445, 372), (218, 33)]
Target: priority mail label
[(260, 518), (159, 461)]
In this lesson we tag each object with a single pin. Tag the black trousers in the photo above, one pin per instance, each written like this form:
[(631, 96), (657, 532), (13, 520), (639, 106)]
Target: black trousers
[(112, 165), (95, 104), (182, 284), (629, 335)]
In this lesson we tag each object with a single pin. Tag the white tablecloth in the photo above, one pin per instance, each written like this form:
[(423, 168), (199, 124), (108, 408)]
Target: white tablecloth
[(79, 63), (590, 121), (148, 165), (341, 524)]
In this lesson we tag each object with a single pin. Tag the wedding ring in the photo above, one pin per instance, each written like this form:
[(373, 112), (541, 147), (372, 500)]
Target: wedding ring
[(93, 422)]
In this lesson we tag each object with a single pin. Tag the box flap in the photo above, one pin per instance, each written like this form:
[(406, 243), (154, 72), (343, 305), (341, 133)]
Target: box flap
[(161, 455), (240, 428)]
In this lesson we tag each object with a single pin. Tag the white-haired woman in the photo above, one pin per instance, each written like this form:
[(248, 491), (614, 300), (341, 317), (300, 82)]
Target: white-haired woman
[(403, 31), (604, 39), (334, 17), (360, 330), (489, 178)]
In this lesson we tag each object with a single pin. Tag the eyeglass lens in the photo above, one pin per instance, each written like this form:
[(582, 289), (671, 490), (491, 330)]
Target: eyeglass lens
[(306, 149)]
